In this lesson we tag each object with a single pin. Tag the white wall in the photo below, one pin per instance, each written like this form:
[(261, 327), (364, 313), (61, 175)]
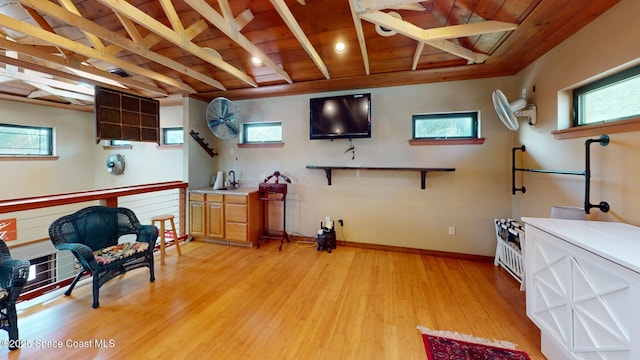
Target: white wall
[(74, 143), (608, 44), (146, 162), (380, 207), (81, 165), (198, 164)]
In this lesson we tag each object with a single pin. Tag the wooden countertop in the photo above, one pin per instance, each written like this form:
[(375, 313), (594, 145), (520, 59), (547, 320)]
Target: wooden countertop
[(239, 191)]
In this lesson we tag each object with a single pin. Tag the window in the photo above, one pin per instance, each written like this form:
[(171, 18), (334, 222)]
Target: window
[(614, 98), (120, 144), (26, 140), (172, 136), (265, 132), (463, 125)]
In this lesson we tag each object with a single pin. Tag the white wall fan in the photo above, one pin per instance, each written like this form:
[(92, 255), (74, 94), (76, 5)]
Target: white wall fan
[(222, 118), (115, 164), (509, 112)]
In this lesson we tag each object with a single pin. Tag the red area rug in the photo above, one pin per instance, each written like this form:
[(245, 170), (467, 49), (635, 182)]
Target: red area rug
[(445, 345)]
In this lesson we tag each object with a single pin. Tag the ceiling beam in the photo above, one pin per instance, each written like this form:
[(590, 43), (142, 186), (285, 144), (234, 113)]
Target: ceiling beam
[(22, 99), (441, 33), (416, 56), (295, 28), (71, 63), (230, 29), (131, 29), (196, 29), (438, 37), (143, 19), (244, 18), (225, 9), (361, 38), (22, 76), (137, 48), (390, 4), (172, 15), (69, 96), (42, 22), (94, 40), (68, 44), (376, 80)]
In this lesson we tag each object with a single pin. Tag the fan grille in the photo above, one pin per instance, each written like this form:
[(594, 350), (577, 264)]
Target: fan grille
[(222, 118)]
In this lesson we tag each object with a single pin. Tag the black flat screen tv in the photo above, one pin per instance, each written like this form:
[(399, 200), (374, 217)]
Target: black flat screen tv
[(339, 117)]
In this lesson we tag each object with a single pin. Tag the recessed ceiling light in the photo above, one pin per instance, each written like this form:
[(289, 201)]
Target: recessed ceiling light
[(256, 61), (340, 47)]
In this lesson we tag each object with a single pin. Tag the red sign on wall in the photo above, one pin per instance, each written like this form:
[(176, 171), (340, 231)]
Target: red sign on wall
[(8, 230)]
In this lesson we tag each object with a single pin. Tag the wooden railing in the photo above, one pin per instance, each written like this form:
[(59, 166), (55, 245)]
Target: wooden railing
[(149, 198), (110, 196)]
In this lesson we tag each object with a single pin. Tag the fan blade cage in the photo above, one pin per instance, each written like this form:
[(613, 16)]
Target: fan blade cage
[(222, 117)]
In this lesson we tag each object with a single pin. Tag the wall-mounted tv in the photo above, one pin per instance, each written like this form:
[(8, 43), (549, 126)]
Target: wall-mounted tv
[(338, 117)]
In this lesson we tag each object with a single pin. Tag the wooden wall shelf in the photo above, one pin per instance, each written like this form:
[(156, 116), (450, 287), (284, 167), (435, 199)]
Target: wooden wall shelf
[(423, 171)]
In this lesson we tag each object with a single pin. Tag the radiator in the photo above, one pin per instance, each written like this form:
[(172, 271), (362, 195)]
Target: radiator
[(509, 248)]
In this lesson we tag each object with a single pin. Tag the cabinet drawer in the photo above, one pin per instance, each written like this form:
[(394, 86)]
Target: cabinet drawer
[(235, 213), (236, 231), (196, 197), (235, 199), (214, 197)]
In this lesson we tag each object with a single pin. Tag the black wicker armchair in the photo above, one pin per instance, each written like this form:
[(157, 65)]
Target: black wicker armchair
[(92, 235), (13, 275)]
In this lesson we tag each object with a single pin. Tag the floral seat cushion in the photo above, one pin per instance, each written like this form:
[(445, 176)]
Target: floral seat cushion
[(120, 251)]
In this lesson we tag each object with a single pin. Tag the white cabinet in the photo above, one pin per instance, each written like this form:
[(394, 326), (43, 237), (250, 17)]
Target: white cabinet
[(578, 293)]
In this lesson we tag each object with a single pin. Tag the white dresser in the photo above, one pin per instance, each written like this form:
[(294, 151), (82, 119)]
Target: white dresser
[(583, 287)]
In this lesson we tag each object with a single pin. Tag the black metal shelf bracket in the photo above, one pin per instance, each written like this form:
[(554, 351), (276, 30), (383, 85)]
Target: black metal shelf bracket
[(603, 141), (196, 136), (423, 171)]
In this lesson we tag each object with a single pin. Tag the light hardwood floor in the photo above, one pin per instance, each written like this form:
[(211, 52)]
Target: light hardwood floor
[(223, 302)]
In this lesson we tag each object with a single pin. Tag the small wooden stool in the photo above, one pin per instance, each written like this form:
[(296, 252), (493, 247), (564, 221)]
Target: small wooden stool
[(162, 219)]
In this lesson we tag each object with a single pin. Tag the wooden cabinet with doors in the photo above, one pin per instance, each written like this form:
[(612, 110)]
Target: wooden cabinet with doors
[(234, 216), (214, 216), (196, 214), (206, 216)]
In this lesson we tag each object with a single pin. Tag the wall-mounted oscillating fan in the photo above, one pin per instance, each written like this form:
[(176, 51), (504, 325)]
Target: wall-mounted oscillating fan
[(115, 164), (222, 118), (509, 112)]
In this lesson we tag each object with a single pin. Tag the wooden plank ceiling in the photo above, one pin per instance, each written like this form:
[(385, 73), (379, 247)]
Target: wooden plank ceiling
[(55, 51)]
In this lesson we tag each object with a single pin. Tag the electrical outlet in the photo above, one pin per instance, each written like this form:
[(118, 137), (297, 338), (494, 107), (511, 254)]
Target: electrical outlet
[(341, 222), (452, 230)]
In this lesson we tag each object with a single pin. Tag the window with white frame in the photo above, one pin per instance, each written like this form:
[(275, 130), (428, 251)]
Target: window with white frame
[(262, 132), (614, 98), (26, 140), (442, 126)]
